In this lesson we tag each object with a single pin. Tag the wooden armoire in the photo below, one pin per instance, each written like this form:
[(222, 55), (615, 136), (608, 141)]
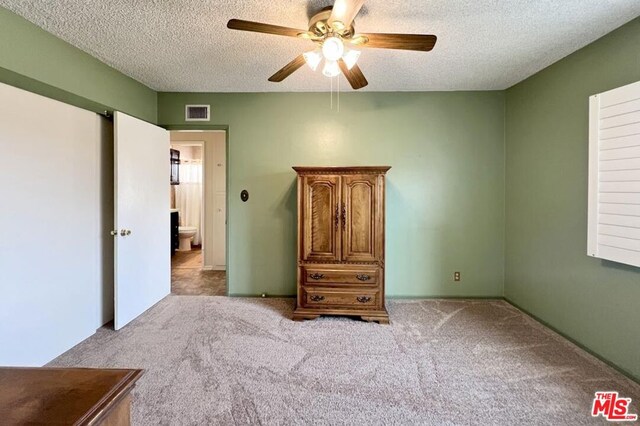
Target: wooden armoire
[(341, 242)]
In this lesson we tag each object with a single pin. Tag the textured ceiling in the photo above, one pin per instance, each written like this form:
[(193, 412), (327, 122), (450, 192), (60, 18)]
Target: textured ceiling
[(184, 45)]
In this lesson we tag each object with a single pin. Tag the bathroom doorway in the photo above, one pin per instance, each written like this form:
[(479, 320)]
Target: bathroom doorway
[(198, 209)]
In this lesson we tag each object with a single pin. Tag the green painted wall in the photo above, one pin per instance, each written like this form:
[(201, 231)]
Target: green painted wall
[(445, 209), (35, 60), (547, 269), (446, 190)]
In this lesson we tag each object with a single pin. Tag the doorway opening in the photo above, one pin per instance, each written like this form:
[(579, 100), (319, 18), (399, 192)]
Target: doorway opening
[(198, 210)]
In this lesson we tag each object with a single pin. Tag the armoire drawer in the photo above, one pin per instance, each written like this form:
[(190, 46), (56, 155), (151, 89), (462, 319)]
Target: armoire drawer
[(314, 297), (358, 275)]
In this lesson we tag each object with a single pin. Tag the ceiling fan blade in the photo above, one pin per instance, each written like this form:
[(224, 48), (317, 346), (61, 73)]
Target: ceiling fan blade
[(288, 69), (354, 75), (423, 43), (345, 11), (258, 27)]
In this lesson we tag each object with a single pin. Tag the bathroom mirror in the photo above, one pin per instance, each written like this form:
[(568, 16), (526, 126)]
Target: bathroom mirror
[(174, 160)]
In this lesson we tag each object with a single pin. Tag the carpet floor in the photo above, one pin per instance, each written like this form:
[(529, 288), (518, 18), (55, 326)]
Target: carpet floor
[(218, 360)]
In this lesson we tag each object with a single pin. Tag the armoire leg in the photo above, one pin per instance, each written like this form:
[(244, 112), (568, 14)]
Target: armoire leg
[(379, 320), (302, 317)]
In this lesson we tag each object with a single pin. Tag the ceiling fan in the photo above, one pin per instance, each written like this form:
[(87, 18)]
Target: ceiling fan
[(333, 32)]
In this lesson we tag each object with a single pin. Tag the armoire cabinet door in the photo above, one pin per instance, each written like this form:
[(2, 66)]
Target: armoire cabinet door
[(361, 218), (320, 218)]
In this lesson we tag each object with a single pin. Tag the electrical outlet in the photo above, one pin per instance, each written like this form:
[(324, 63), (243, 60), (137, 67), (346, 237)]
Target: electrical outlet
[(456, 276)]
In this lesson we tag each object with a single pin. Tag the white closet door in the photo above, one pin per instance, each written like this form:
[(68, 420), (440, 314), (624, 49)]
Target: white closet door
[(142, 245), (55, 227)]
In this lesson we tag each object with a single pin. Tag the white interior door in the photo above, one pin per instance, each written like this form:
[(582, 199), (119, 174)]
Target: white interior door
[(142, 220)]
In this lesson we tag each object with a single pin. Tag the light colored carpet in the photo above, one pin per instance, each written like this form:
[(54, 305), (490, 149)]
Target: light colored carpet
[(217, 360)]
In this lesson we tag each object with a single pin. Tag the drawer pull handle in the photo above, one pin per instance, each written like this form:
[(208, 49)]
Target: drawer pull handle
[(316, 276), (363, 299), (363, 277), (316, 298)]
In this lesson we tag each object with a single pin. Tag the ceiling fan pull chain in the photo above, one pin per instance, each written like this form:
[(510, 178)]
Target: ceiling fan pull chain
[(331, 93), (338, 95)]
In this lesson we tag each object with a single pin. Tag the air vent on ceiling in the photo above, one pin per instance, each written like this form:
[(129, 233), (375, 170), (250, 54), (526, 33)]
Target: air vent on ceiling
[(197, 112)]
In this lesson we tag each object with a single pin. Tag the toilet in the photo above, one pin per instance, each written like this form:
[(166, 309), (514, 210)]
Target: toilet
[(185, 235)]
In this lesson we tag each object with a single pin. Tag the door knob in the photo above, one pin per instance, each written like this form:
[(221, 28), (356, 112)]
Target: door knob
[(125, 232)]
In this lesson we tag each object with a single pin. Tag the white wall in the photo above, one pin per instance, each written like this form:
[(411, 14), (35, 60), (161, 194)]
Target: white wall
[(215, 175), (56, 270), (188, 150)]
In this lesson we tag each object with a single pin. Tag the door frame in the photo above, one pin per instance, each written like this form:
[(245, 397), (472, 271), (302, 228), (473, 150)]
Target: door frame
[(203, 191), (225, 128)]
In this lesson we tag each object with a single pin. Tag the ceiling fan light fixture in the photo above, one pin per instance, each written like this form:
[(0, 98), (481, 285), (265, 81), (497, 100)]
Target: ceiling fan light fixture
[(331, 69), (313, 58), (350, 58), (331, 29), (332, 49)]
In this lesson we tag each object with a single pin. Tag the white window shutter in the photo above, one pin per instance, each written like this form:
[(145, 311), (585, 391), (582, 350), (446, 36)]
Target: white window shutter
[(614, 175)]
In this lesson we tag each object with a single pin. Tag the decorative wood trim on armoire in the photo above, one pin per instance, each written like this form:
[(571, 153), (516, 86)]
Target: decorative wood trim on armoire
[(341, 242)]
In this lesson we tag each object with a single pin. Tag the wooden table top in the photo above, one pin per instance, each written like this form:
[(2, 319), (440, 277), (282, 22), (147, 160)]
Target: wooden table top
[(61, 395)]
